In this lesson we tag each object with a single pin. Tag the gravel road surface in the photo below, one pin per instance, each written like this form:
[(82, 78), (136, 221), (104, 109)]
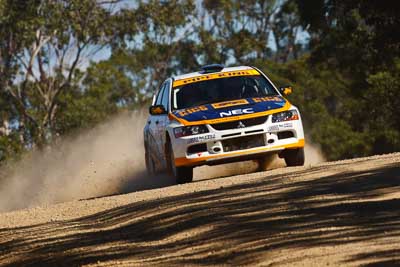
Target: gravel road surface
[(337, 213)]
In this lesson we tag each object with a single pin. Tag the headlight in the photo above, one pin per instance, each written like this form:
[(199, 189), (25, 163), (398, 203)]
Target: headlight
[(190, 130), (289, 115)]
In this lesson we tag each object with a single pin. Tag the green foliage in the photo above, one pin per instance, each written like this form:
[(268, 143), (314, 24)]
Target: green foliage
[(322, 97), (346, 77), (359, 40), (104, 92), (42, 44), (382, 102)]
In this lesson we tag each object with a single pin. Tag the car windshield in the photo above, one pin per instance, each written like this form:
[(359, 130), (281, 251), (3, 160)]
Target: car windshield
[(219, 90)]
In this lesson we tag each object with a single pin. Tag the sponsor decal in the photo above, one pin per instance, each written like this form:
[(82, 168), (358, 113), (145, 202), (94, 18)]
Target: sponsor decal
[(236, 112), (231, 103), (286, 125), (276, 128), (273, 128), (202, 138), (192, 110), (267, 99)]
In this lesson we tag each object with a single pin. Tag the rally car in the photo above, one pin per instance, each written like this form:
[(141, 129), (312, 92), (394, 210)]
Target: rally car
[(220, 115)]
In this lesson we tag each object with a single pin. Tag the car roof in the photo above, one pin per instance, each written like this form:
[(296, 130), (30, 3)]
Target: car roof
[(199, 73)]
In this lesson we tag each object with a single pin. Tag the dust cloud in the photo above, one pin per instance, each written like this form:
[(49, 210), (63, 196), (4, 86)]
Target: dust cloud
[(108, 159), (207, 172), (313, 155)]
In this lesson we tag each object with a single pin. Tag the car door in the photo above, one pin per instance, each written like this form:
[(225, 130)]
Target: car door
[(163, 119), (154, 128)]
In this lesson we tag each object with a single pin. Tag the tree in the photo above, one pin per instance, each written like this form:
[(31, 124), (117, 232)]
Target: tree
[(360, 41), (286, 29), (105, 89), (161, 45), (45, 44)]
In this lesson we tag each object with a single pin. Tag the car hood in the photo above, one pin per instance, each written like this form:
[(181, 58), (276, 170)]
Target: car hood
[(231, 110)]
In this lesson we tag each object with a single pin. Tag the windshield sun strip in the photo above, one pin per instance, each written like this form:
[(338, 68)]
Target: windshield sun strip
[(212, 76)]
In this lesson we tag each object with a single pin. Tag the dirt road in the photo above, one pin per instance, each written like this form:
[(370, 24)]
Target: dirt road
[(339, 213)]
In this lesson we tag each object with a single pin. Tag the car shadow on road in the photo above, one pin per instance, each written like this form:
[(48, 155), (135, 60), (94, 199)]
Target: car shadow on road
[(240, 225)]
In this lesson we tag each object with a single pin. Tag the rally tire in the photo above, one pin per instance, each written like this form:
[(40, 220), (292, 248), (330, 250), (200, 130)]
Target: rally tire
[(182, 175), (150, 167), (294, 157)]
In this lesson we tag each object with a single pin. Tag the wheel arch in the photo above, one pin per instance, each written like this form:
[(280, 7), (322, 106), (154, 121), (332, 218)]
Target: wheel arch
[(167, 147), (167, 141)]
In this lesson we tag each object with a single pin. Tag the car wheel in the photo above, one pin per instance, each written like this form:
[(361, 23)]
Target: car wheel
[(150, 167), (294, 157), (182, 175)]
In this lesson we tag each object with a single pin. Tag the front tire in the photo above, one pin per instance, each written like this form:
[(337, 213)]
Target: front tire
[(294, 157), (182, 175), (150, 166)]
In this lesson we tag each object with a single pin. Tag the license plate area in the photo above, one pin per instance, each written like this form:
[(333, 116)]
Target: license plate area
[(241, 143)]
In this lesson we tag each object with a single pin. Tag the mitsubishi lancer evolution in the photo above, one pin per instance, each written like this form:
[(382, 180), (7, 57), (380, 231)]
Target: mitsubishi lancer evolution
[(220, 115)]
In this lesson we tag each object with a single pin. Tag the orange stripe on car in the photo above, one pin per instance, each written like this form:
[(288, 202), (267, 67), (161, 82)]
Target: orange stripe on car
[(187, 162)]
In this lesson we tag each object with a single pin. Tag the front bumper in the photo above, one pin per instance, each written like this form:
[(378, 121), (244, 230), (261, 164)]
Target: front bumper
[(221, 146)]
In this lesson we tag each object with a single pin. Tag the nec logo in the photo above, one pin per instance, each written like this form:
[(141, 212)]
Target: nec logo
[(236, 112)]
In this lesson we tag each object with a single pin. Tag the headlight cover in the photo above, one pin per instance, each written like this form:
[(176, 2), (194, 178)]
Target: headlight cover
[(289, 115), (190, 130)]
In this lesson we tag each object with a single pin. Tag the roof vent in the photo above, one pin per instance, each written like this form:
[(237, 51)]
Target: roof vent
[(212, 68)]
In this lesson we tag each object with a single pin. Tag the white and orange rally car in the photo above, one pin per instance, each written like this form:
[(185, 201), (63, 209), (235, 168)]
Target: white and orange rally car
[(220, 115)]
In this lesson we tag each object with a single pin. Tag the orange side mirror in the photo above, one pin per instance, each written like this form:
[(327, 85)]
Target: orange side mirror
[(286, 90), (157, 110)]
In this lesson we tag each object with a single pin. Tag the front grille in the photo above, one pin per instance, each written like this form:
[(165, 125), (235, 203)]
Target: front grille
[(285, 135), (197, 148), (239, 123), (244, 142)]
